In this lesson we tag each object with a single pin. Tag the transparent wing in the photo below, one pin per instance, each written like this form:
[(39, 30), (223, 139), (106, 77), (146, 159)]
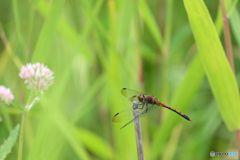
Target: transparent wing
[(126, 114), (143, 113), (131, 94), (123, 115)]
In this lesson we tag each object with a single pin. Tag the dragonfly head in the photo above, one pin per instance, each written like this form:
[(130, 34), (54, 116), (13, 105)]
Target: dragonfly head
[(141, 97)]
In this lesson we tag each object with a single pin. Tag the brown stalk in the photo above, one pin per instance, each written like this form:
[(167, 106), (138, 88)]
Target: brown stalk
[(227, 36), (228, 45)]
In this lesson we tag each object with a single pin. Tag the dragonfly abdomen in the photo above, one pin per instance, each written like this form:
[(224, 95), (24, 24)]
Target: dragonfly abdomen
[(174, 110)]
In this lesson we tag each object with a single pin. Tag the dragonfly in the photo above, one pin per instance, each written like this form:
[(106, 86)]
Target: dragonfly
[(146, 103)]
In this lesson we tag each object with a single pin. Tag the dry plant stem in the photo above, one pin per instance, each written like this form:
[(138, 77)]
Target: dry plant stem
[(227, 36), (138, 131), (238, 139), (228, 46)]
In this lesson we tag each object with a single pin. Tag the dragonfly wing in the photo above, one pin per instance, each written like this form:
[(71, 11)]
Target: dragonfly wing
[(142, 112), (123, 115), (128, 123), (153, 108), (127, 114), (131, 94)]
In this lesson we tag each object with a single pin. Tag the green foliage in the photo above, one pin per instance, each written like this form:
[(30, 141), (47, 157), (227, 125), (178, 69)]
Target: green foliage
[(46, 36), (151, 23), (94, 143), (95, 48), (8, 144), (188, 87)]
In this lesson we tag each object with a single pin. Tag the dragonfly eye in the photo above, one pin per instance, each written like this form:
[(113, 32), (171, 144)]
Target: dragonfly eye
[(141, 97)]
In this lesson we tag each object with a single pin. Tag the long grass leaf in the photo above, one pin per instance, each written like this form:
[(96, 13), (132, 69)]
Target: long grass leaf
[(235, 25), (216, 66), (94, 143), (151, 23), (181, 101), (46, 36), (66, 131)]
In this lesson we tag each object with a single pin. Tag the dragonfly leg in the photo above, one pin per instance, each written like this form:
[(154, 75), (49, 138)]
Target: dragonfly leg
[(136, 116), (142, 105), (145, 111)]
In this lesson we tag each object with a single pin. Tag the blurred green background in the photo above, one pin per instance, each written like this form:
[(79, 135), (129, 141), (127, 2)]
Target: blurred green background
[(96, 48)]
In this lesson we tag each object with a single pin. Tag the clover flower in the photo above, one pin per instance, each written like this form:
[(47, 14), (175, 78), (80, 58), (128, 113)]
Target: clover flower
[(37, 76), (6, 95)]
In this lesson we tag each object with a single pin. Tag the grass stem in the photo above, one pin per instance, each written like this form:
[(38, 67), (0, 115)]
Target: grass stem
[(20, 145), (227, 36)]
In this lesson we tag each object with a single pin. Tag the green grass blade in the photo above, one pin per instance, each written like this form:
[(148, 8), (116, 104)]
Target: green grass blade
[(235, 25), (3, 62), (69, 34), (216, 66), (7, 117), (181, 101), (94, 143), (66, 131), (46, 36), (94, 19), (93, 90), (17, 18), (230, 6), (151, 23), (7, 146)]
